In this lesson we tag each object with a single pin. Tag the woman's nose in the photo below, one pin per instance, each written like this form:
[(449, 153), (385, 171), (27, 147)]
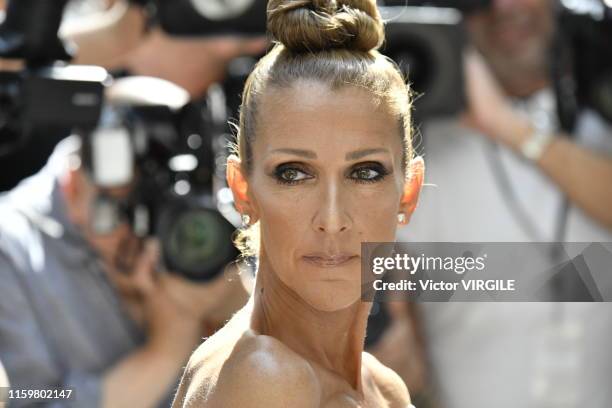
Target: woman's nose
[(332, 215)]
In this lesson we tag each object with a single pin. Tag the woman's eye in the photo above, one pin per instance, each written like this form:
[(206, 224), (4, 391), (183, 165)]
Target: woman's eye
[(289, 175), (368, 174)]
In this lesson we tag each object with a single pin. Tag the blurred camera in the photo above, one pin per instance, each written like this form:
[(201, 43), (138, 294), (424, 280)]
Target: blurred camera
[(427, 44), (582, 61), (426, 39), (47, 93), (165, 149)]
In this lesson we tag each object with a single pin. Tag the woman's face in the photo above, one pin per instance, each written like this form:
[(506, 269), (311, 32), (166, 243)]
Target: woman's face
[(327, 175)]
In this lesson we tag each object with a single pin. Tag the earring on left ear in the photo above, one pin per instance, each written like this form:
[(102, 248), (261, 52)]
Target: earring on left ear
[(246, 220), (401, 218)]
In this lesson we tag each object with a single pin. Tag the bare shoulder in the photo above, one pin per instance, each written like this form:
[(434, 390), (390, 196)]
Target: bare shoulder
[(258, 371), (197, 376), (389, 382)]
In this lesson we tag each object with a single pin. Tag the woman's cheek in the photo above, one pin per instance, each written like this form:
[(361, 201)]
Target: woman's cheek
[(282, 220), (378, 217)]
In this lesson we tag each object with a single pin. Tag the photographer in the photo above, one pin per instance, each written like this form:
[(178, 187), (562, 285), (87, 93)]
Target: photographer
[(94, 313), (517, 57), (516, 354), (512, 128), (91, 312)]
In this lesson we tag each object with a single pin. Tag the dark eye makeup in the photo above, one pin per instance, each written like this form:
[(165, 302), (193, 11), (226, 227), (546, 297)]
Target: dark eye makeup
[(369, 172), (292, 173)]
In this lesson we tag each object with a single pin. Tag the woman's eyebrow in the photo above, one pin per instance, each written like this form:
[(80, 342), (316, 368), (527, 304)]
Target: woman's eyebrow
[(309, 154), (357, 154)]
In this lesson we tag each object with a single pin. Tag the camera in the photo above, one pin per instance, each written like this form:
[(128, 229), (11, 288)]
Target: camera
[(582, 62), (426, 39), (47, 93), (427, 44), (167, 149)]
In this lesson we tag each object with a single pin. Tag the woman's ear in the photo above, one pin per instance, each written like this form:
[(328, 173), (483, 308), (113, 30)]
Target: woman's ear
[(237, 182), (412, 188)]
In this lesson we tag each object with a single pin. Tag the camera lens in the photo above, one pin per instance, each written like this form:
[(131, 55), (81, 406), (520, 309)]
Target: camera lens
[(198, 243)]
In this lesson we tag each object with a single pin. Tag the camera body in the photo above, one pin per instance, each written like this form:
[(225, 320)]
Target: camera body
[(48, 97), (427, 44), (582, 61), (165, 150), (46, 94)]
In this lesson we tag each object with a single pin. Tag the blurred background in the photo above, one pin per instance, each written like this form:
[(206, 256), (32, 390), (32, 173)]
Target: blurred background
[(115, 124)]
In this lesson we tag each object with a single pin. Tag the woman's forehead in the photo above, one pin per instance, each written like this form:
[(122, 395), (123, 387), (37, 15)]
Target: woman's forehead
[(306, 95), (311, 114)]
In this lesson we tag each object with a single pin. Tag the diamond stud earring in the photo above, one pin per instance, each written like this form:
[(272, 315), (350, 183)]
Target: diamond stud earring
[(401, 218)]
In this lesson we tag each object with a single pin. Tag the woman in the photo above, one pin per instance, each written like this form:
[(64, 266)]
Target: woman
[(324, 162)]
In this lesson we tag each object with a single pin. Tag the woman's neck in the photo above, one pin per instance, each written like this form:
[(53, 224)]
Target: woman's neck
[(334, 340)]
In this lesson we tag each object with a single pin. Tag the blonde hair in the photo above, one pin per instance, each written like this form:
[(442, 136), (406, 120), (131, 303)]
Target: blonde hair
[(333, 42)]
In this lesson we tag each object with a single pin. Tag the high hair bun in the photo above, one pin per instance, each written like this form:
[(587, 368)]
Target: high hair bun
[(316, 25)]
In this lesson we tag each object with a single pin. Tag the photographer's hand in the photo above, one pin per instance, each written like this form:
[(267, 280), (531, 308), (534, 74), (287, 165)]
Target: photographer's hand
[(145, 376), (212, 302), (489, 111), (174, 312), (583, 175)]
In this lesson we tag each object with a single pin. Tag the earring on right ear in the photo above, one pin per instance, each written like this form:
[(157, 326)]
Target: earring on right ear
[(246, 220), (401, 218)]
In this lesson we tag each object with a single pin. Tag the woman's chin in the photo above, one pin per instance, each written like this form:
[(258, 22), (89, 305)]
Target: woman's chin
[(335, 296)]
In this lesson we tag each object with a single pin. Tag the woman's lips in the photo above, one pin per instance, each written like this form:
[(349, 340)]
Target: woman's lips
[(330, 261)]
